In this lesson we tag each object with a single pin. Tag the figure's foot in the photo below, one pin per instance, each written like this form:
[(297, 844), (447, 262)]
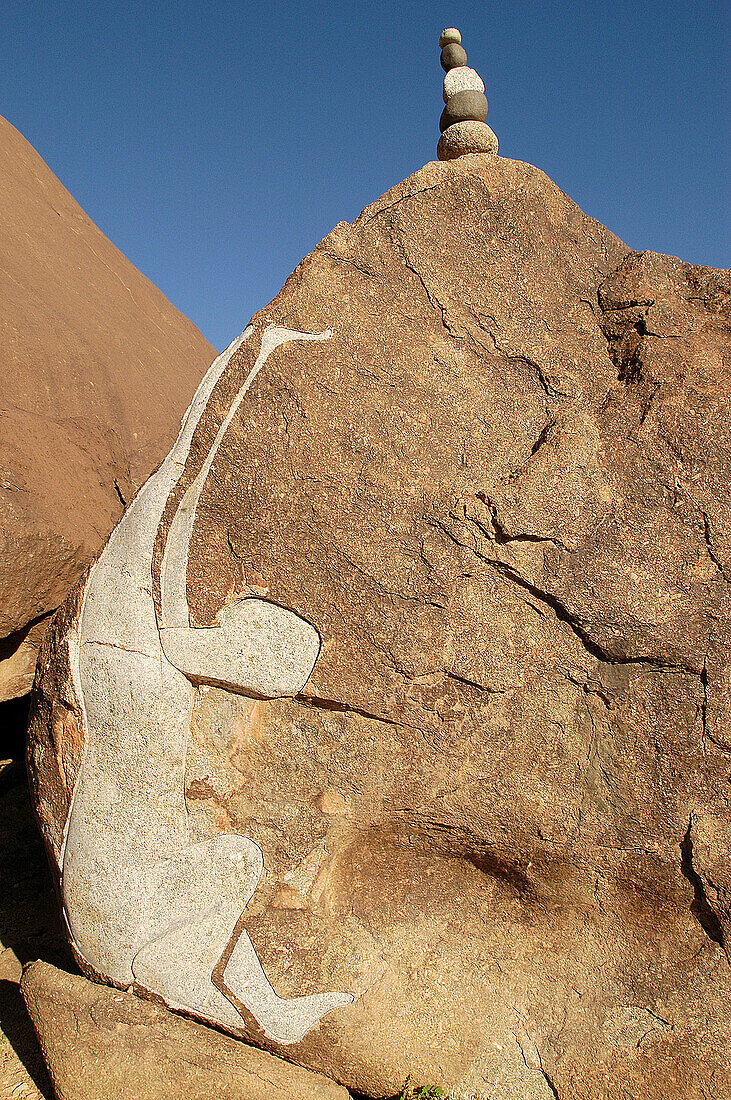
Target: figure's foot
[(178, 967), (282, 1020)]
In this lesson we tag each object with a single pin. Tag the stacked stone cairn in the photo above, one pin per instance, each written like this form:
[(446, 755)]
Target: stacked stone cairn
[(462, 124)]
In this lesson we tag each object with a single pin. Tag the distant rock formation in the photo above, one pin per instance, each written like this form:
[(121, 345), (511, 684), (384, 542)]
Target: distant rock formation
[(485, 842), (98, 368)]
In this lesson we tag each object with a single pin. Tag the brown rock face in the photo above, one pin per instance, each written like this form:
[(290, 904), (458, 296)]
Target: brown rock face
[(101, 1044), (98, 368), (498, 813)]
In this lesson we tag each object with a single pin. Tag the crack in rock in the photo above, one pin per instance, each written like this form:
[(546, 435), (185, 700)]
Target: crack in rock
[(700, 907), (565, 615), (431, 297)]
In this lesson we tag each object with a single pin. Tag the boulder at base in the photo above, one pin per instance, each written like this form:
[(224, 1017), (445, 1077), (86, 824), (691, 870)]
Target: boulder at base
[(97, 369), (101, 1044), (485, 453)]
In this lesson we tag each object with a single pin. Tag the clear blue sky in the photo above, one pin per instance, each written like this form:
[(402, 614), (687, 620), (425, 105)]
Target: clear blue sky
[(216, 143)]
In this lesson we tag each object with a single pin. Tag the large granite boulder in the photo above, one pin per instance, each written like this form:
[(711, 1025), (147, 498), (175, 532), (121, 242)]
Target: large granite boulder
[(97, 370), (396, 709)]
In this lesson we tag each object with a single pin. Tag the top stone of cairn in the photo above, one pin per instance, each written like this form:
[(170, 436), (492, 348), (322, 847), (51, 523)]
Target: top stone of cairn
[(463, 125), (449, 34)]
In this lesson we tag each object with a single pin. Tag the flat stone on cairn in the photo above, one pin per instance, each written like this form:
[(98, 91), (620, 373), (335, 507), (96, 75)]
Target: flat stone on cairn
[(463, 126)]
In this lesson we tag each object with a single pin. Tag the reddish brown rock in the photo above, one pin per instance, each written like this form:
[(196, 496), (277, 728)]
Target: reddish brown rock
[(98, 368), (101, 1044), (498, 811)]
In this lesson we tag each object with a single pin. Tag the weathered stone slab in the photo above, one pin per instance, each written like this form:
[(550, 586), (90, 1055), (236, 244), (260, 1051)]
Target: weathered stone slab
[(101, 1044)]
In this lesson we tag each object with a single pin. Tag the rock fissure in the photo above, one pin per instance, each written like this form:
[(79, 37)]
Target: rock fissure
[(350, 263), (591, 687), (403, 198), (118, 491), (499, 533), (547, 386), (430, 295), (317, 702), (700, 906), (565, 615), (711, 551), (549, 1082), (543, 435), (473, 683)]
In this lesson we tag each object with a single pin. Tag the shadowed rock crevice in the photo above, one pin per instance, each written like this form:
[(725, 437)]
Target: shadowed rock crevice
[(498, 533), (701, 907), (711, 551), (119, 493), (14, 724), (318, 703), (542, 378), (562, 612), (549, 1082), (592, 646), (625, 351), (13, 641)]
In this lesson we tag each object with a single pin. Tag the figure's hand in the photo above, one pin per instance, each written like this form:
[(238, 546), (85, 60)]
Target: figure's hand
[(259, 649)]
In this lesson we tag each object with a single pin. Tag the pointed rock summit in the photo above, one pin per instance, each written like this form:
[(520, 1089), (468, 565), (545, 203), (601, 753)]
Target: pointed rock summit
[(462, 124)]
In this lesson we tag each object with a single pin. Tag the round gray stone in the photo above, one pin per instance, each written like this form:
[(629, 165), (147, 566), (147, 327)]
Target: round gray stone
[(466, 137), (463, 107), (449, 34), (453, 55), (461, 79)]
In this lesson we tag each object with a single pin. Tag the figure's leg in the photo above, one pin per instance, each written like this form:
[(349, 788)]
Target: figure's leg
[(195, 900), (178, 967), (199, 958)]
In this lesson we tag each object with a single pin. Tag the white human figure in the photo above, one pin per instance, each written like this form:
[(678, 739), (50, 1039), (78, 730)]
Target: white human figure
[(144, 905)]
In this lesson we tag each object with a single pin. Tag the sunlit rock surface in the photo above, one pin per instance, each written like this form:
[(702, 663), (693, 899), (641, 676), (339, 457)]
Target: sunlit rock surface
[(495, 819)]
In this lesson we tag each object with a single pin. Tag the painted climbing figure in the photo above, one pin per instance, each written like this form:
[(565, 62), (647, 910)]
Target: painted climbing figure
[(143, 904)]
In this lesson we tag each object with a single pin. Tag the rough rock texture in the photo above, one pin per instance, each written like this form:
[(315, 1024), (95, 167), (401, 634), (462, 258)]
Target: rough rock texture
[(97, 369), (101, 1044), (498, 811)]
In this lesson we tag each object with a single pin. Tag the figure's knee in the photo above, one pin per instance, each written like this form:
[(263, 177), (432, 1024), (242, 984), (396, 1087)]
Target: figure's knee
[(223, 870)]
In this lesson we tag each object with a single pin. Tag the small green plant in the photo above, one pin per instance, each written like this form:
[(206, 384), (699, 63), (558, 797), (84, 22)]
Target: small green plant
[(426, 1092)]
